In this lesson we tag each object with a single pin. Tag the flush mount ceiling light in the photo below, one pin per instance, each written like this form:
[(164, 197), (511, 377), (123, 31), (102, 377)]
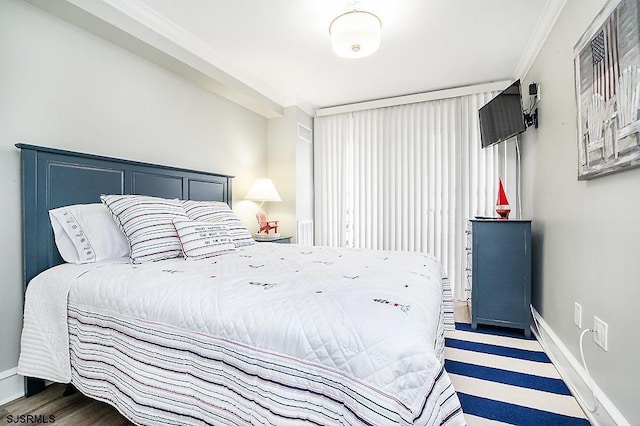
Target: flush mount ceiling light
[(355, 33)]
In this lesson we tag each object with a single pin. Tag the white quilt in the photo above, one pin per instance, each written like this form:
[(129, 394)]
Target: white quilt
[(44, 351), (372, 316)]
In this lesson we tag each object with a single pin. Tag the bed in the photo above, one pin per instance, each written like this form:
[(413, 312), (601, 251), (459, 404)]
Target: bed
[(260, 334)]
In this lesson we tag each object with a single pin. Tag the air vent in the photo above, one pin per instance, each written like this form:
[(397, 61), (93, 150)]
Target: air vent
[(305, 133)]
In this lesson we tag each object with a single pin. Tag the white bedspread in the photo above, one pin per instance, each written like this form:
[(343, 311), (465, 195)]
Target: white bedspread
[(44, 351), (372, 316)]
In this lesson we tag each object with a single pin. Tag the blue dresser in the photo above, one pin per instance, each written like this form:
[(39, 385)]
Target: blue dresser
[(501, 273)]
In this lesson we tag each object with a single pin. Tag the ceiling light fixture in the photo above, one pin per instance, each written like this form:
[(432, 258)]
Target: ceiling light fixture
[(355, 33)]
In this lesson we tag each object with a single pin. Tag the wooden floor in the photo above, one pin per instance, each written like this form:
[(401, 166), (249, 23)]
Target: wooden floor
[(72, 410), (78, 410), (462, 311)]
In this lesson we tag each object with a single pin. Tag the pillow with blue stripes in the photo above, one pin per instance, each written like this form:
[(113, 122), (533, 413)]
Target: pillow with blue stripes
[(221, 213), (200, 240), (147, 222)]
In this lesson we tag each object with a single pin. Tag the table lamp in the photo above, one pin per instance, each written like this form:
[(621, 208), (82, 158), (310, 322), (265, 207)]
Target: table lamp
[(263, 190)]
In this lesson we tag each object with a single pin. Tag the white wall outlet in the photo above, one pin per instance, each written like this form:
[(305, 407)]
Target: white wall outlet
[(577, 314), (601, 332)]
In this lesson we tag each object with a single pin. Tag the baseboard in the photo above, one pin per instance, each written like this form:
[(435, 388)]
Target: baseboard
[(576, 377), (11, 385)]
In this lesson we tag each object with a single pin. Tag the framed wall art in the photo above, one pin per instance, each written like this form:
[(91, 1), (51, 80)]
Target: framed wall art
[(607, 70)]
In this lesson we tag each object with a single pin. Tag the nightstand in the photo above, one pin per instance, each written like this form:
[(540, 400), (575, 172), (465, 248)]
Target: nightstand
[(281, 240), (501, 273)]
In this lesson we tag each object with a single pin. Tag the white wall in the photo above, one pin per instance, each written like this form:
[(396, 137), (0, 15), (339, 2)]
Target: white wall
[(281, 159), (290, 166), (304, 171), (65, 88), (586, 234)]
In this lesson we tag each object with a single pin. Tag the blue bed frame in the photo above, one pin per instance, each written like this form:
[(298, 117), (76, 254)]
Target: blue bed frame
[(54, 178)]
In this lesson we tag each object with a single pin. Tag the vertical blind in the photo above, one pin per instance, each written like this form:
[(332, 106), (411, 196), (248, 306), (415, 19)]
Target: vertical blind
[(406, 177)]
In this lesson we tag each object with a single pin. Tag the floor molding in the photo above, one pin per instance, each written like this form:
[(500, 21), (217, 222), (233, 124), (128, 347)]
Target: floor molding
[(575, 376), (11, 386)]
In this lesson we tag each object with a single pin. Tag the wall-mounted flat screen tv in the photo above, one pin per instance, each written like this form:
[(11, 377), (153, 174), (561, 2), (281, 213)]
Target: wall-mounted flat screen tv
[(502, 117)]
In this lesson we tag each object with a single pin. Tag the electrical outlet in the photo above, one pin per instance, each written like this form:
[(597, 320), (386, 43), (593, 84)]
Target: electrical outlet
[(577, 314), (601, 332)]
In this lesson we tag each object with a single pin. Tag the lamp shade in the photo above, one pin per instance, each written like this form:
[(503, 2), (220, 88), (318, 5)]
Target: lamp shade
[(263, 190), (355, 34)]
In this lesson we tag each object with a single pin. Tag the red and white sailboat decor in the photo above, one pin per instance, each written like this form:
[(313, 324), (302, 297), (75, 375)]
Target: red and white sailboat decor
[(502, 205)]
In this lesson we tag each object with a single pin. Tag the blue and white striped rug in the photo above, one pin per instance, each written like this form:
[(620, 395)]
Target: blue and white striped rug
[(504, 378)]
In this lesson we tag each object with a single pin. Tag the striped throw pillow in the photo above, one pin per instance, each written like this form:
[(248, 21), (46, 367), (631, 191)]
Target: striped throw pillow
[(147, 222), (219, 212), (200, 240)]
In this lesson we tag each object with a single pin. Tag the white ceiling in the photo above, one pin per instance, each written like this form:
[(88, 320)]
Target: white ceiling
[(280, 50)]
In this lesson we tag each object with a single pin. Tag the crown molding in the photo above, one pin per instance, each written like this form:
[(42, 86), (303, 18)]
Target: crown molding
[(304, 106), (133, 26), (547, 20)]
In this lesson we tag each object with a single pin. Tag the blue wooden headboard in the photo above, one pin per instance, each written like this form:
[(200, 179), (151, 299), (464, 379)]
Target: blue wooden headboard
[(54, 178)]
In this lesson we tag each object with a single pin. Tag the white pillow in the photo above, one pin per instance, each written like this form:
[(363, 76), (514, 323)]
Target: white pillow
[(200, 240), (147, 222), (86, 233), (219, 212)]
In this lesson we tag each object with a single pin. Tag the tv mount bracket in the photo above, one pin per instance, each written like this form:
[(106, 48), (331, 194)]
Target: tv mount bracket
[(531, 116)]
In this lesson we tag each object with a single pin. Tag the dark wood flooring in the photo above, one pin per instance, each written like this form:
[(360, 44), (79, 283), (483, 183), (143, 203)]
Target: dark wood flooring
[(55, 409)]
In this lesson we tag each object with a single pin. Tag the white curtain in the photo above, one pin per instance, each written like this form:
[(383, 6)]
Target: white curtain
[(406, 177)]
